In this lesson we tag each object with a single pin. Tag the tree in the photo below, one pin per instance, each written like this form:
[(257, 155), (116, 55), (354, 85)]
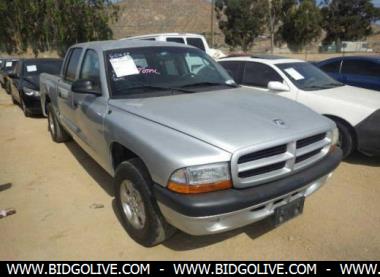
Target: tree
[(278, 10), (301, 24), (53, 24), (241, 21), (348, 20)]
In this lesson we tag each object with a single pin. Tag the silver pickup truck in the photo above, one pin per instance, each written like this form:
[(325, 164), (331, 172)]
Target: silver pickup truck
[(187, 147)]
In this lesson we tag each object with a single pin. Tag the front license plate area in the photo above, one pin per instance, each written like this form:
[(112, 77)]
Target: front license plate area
[(288, 211)]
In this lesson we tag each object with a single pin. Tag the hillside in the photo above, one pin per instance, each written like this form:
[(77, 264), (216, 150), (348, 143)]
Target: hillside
[(139, 17)]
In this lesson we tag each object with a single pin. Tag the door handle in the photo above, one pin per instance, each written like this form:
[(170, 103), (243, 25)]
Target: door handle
[(63, 94)]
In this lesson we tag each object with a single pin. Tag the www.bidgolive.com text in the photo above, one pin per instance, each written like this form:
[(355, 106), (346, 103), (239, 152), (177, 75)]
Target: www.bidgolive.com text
[(188, 268)]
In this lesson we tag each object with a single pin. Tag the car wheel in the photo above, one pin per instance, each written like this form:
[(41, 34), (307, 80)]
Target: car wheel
[(57, 132), (136, 205), (24, 108), (14, 100), (346, 140)]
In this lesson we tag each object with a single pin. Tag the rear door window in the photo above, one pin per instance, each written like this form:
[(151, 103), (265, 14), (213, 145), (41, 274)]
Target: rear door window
[(234, 68), (175, 39), (259, 75), (72, 65), (361, 68), (197, 42)]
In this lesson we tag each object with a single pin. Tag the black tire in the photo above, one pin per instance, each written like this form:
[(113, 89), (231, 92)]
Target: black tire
[(14, 100), (24, 108), (346, 139), (57, 132), (154, 229)]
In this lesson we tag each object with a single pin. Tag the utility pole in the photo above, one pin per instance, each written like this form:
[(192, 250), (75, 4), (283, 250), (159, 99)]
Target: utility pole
[(271, 26), (212, 23)]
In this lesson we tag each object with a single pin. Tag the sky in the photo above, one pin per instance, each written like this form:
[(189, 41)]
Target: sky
[(375, 2)]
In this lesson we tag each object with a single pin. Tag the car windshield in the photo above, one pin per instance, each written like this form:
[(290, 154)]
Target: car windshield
[(306, 76), (157, 71), (10, 66), (37, 67)]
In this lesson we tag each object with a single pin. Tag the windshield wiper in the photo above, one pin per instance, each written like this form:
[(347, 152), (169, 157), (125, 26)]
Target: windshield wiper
[(161, 88), (334, 85), (201, 84)]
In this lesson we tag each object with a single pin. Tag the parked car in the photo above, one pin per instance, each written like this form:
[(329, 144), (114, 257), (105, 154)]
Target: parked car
[(186, 149), (25, 86), (195, 40), (358, 71), (8, 67), (356, 111)]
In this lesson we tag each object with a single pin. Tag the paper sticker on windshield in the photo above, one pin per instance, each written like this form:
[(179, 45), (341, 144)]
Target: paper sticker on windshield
[(31, 68), (124, 66), (8, 64), (294, 74)]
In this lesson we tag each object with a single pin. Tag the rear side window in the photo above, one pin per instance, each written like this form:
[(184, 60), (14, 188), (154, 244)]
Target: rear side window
[(361, 68), (259, 75), (73, 64), (174, 39), (234, 68), (332, 67), (197, 42)]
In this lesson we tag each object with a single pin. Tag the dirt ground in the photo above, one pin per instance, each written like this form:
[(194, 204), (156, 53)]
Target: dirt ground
[(53, 187)]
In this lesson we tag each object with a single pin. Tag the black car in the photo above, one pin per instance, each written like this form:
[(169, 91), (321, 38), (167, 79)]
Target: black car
[(7, 67), (26, 82)]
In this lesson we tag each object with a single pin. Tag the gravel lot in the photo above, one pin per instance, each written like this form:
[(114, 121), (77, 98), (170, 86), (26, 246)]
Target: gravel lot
[(54, 186)]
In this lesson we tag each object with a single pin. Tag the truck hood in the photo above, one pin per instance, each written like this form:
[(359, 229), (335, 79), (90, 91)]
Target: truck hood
[(354, 95), (229, 119)]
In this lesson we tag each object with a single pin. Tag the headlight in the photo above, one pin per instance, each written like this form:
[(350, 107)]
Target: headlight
[(199, 179), (31, 92)]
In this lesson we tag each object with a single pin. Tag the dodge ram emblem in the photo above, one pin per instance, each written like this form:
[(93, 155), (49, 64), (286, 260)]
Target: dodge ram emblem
[(279, 122)]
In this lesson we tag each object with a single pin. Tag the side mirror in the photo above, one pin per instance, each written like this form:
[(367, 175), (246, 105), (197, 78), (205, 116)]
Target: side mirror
[(277, 86), (86, 87)]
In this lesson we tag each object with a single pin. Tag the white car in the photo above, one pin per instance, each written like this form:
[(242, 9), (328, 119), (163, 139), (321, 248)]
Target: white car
[(195, 40), (356, 111)]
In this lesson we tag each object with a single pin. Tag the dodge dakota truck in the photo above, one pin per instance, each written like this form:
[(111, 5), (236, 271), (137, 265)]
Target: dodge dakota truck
[(188, 148)]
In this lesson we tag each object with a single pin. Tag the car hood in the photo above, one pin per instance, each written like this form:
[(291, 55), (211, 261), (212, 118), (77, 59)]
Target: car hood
[(229, 119), (354, 95)]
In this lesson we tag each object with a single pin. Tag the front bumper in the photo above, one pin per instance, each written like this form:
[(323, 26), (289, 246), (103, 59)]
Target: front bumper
[(368, 134), (225, 210), (33, 104)]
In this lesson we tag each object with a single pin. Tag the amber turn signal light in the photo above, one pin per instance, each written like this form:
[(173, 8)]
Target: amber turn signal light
[(202, 188)]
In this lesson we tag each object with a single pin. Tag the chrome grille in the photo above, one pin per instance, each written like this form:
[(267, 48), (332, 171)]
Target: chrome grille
[(263, 165)]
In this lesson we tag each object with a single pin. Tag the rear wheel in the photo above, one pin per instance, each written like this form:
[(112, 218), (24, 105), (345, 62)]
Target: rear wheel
[(57, 132), (138, 208), (346, 139)]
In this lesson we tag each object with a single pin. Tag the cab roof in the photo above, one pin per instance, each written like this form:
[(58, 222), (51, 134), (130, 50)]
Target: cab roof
[(107, 45)]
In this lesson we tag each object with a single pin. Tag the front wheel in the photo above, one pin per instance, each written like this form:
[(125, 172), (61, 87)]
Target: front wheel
[(137, 206), (346, 140), (24, 108)]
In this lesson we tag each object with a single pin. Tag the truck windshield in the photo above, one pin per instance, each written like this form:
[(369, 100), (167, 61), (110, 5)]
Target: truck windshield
[(308, 77), (157, 71)]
